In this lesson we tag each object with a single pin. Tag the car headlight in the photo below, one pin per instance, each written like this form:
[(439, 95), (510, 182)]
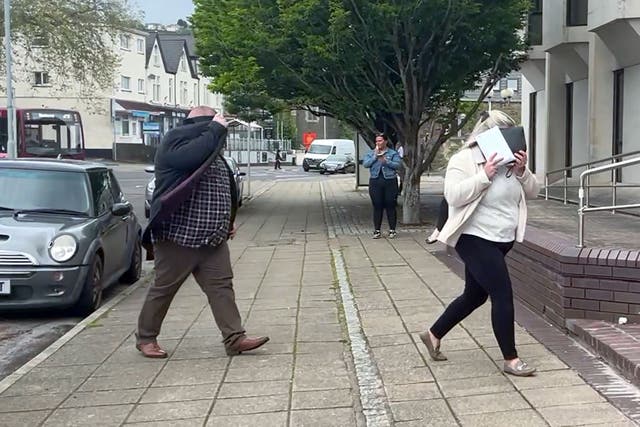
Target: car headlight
[(339, 165), (63, 248), (151, 186)]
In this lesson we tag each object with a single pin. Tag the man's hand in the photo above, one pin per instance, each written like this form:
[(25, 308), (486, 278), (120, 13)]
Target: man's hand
[(219, 118), (232, 232), (521, 162)]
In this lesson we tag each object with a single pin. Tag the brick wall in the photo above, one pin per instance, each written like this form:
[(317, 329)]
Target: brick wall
[(559, 281)]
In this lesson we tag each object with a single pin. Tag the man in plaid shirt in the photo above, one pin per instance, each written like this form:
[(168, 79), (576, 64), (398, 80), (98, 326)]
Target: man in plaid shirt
[(192, 214)]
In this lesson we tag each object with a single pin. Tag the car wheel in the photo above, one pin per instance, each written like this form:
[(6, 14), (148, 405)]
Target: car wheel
[(135, 267), (321, 172), (91, 295), (305, 167)]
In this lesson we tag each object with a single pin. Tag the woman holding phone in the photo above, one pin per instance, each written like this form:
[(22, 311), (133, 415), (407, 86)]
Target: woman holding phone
[(383, 163), (487, 214)]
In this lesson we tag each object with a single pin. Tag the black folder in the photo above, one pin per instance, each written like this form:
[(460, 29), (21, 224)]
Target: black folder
[(515, 138)]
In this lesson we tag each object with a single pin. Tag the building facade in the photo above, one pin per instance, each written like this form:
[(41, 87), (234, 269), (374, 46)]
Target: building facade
[(156, 83), (581, 84)]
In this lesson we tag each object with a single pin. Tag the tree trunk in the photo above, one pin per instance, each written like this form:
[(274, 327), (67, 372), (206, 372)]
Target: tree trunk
[(411, 196)]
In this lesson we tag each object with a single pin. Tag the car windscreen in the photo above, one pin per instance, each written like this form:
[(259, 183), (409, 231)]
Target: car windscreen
[(27, 189), (320, 149)]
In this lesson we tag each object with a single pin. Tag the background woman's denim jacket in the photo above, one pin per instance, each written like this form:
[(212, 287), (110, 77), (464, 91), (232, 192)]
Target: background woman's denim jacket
[(388, 169)]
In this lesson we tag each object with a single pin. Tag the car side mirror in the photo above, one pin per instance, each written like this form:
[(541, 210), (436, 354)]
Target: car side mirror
[(121, 209), (150, 169)]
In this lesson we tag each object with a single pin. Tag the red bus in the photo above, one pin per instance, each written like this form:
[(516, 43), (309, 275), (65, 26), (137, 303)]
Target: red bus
[(45, 133)]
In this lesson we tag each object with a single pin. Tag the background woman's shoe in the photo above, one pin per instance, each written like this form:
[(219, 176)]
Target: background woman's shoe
[(392, 234), (377, 234), (521, 369), (433, 238), (434, 352)]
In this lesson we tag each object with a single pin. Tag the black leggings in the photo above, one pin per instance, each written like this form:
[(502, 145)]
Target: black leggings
[(443, 214), (486, 274), (384, 196)]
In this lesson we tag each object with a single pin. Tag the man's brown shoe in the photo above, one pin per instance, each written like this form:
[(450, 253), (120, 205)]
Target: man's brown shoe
[(152, 350), (246, 344)]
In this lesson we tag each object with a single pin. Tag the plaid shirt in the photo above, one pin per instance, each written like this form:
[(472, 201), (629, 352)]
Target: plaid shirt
[(203, 219)]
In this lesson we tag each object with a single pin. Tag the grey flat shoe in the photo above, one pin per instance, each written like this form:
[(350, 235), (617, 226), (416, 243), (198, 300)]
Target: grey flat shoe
[(520, 370), (434, 352)]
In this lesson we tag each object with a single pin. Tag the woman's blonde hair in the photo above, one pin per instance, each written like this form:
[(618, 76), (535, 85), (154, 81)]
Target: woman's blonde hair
[(490, 119)]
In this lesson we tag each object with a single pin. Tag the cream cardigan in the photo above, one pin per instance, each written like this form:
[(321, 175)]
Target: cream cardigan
[(464, 186)]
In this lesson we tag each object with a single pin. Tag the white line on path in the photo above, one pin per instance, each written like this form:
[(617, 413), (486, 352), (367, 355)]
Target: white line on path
[(372, 394)]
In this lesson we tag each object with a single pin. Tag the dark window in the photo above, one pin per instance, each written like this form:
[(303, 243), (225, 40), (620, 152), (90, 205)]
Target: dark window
[(568, 148), (116, 191), (577, 11), (102, 191), (618, 114), (533, 114), (4, 135), (534, 30)]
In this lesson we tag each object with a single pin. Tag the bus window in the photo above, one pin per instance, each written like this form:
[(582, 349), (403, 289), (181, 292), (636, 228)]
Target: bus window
[(4, 136), (52, 133)]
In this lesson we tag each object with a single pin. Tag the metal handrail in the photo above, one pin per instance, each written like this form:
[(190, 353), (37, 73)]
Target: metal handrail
[(594, 162), (584, 208), (565, 171)]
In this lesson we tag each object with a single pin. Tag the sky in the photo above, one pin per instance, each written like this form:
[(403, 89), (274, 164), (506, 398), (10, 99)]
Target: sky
[(164, 11)]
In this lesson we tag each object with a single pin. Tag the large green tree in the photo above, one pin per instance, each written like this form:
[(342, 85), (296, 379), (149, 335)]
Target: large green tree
[(393, 65), (72, 40)]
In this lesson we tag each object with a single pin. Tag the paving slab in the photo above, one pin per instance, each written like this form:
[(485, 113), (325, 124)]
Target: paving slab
[(302, 255)]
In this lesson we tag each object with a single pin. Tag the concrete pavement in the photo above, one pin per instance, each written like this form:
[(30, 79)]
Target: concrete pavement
[(343, 312)]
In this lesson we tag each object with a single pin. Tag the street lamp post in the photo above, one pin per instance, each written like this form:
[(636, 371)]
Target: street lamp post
[(12, 151)]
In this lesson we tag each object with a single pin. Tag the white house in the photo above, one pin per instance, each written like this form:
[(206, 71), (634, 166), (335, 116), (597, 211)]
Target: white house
[(154, 86), (581, 84)]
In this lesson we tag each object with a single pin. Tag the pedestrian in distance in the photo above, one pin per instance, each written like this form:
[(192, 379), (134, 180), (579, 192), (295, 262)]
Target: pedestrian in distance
[(278, 159), (487, 213), (401, 170), (383, 163), (192, 217)]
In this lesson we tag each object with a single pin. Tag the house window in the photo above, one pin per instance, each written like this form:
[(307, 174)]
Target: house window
[(156, 89), (311, 118), (183, 64), (195, 93), (125, 83), (125, 42), (41, 78), (512, 84), (171, 89), (40, 40), (183, 93), (577, 12), (134, 128), (140, 85), (140, 43), (125, 127), (156, 56)]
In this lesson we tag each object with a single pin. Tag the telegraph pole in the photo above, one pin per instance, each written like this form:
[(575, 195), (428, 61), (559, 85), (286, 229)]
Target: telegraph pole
[(11, 111)]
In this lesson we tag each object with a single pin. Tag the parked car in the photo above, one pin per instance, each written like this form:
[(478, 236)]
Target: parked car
[(151, 185), (66, 234), (338, 163)]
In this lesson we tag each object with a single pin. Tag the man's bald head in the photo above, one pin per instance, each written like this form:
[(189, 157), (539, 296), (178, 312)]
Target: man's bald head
[(201, 111)]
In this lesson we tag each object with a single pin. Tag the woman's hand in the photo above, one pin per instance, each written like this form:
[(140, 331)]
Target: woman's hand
[(491, 167), (521, 162)]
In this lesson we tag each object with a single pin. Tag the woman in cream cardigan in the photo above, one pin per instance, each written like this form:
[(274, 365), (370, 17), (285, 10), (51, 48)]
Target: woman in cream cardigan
[(487, 213)]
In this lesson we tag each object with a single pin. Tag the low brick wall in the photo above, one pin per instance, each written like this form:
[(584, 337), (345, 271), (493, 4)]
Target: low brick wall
[(559, 281)]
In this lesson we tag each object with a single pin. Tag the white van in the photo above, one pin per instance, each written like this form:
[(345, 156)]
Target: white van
[(320, 149)]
